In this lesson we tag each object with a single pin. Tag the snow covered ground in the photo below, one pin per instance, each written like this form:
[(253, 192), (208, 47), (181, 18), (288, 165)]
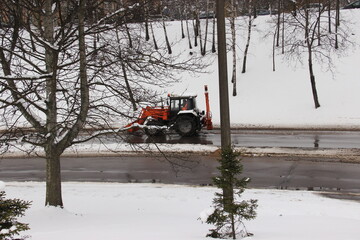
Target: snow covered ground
[(97, 211)]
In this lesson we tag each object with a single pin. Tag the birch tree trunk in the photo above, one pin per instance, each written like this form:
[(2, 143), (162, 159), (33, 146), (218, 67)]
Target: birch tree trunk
[(337, 23), (168, 45), (319, 24), (283, 32), (233, 47), (278, 23), (329, 16), (203, 51), (273, 50), (213, 48), (181, 11), (247, 44), (146, 10), (153, 36)]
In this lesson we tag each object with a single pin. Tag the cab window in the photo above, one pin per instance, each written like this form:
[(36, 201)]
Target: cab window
[(185, 104), (175, 105)]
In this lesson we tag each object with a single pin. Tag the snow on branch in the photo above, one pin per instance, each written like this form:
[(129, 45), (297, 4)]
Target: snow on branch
[(25, 77)]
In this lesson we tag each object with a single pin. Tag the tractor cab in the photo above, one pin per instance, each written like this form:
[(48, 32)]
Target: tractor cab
[(181, 103)]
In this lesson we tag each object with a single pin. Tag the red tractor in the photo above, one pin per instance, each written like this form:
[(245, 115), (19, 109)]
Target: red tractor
[(181, 114)]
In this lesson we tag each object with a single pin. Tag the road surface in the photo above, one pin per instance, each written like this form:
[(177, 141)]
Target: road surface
[(266, 172), (263, 138)]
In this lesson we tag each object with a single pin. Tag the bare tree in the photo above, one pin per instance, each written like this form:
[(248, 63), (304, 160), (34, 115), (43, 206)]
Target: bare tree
[(250, 22), (57, 89), (309, 21), (168, 45), (203, 49), (337, 23), (329, 15), (213, 48), (153, 36), (273, 51), (233, 46), (279, 7), (182, 10), (146, 17), (188, 33)]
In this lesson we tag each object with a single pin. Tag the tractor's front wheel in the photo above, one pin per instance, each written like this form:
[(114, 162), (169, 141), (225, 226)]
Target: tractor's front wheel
[(186, 125), (153, 128)]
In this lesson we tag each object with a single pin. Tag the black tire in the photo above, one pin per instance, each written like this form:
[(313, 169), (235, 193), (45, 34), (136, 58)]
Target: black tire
[(186, 125), (151, 131)]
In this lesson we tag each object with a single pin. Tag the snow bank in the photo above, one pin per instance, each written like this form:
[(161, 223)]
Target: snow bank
[(2, 186)]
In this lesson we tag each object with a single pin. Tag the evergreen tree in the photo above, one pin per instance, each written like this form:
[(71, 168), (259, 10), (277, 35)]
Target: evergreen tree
[(230, 211), (10, 210)]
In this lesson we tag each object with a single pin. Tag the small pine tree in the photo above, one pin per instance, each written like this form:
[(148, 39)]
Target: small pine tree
[(229, 209), (10, 210)]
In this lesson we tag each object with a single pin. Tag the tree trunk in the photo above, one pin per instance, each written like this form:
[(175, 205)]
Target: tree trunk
[(53, 178), (329, 15), (129, 35), (283, 33), (247, 45), (313, 84), (278, 23), (196, 32), (147, 35), (153, 35), (337, 23), (203, 51), (273, 50), (128, 87), (309, 44), (319, 23), (213, 49), (200, 37), (182, 29), (166, 36), (181, 11), (233, 227), (233, 37), (187, 30)]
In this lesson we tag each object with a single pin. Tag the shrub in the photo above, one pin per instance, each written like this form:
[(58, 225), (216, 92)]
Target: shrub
[(10, 210), (229, 210)]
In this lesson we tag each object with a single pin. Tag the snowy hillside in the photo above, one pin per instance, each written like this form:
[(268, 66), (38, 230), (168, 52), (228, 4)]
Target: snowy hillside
[(282, 98)]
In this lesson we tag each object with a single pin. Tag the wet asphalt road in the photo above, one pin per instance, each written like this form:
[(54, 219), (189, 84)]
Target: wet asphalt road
[(329, 174), (262, 138), (293, 173)]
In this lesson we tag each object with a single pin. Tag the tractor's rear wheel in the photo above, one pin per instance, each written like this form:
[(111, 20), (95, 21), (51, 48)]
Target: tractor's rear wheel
[(153, 128), (186, 125)]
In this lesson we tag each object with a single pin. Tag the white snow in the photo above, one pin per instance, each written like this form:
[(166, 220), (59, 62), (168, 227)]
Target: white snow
[(113, 211), (2, 185)]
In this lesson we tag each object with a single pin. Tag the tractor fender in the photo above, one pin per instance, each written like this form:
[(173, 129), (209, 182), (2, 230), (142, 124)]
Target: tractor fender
[(192, 112)]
